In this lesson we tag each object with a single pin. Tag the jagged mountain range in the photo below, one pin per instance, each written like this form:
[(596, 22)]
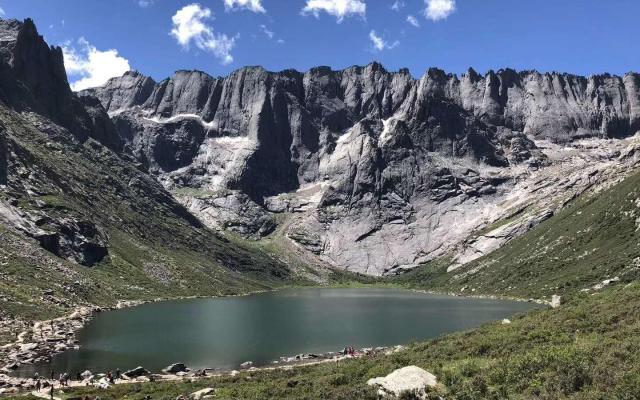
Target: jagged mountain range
[(374, 170), (509, 184), (361, 169)]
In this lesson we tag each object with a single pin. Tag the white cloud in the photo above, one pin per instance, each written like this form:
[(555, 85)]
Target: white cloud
[(2, 13), (439, 9), (338, 8), (397, 5), (266, 31), (251, 5), (379, 43), (189, 26), (145, 3), (91, 66), (280, 41), (413, 21)]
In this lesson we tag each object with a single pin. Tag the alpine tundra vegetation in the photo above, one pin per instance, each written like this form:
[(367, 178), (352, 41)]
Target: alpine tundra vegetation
[(512, 184)]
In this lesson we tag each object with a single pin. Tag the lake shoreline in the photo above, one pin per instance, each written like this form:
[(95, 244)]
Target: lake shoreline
[(24, 385), (44, 339), (484, 296)]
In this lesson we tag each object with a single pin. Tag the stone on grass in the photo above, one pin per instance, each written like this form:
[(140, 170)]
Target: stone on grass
[(556, 301), (408, 379), (202, 393)]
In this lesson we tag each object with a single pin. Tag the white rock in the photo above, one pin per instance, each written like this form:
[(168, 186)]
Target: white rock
[(28, 347), (22, 336), (411, 379), (60, 347), (556, 301), (201, 393), (506, 321), (605, 283)]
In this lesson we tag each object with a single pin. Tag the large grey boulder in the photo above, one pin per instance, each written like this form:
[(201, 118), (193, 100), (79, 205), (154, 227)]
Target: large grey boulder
[(136, 372), (411, 379), (202, 393), (175, 368)]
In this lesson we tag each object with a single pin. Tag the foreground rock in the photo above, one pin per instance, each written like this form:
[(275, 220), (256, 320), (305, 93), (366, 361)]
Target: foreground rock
[(556, 301), (136, 372), (175, 368), (202, 394), (411, 379)]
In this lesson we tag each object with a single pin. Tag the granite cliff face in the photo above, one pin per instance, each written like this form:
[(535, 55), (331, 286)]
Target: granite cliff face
[(378, 170)]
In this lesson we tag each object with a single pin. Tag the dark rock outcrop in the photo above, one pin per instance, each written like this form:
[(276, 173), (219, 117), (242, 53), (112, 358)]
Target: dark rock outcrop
[(32, 73), (79, 241), (33, 78)]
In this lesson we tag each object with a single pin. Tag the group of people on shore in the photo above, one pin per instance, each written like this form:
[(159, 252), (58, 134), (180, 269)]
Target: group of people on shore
[(349, 351), (63, 380)]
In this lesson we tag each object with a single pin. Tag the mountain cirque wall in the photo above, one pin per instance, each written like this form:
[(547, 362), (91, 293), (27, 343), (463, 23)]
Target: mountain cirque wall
[(380, 170)]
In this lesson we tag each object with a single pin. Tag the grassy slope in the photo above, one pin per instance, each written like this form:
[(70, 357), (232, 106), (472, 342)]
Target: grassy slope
[(594, 238), (156, 249), (589, 348)]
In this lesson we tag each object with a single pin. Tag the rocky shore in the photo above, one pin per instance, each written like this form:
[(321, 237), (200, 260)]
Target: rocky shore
[(487, 296), (179, 371), (40, 341)]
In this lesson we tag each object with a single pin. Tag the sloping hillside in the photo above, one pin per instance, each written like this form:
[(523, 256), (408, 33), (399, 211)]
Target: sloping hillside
[(79, 222), (594, 238)]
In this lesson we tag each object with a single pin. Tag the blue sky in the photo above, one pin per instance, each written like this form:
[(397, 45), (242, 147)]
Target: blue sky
[(102, 38)]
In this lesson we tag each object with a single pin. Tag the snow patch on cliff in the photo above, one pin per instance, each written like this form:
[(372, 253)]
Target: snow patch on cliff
[(179, 117)]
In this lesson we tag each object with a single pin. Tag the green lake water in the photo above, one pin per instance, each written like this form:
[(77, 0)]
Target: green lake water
[(224, 332)]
